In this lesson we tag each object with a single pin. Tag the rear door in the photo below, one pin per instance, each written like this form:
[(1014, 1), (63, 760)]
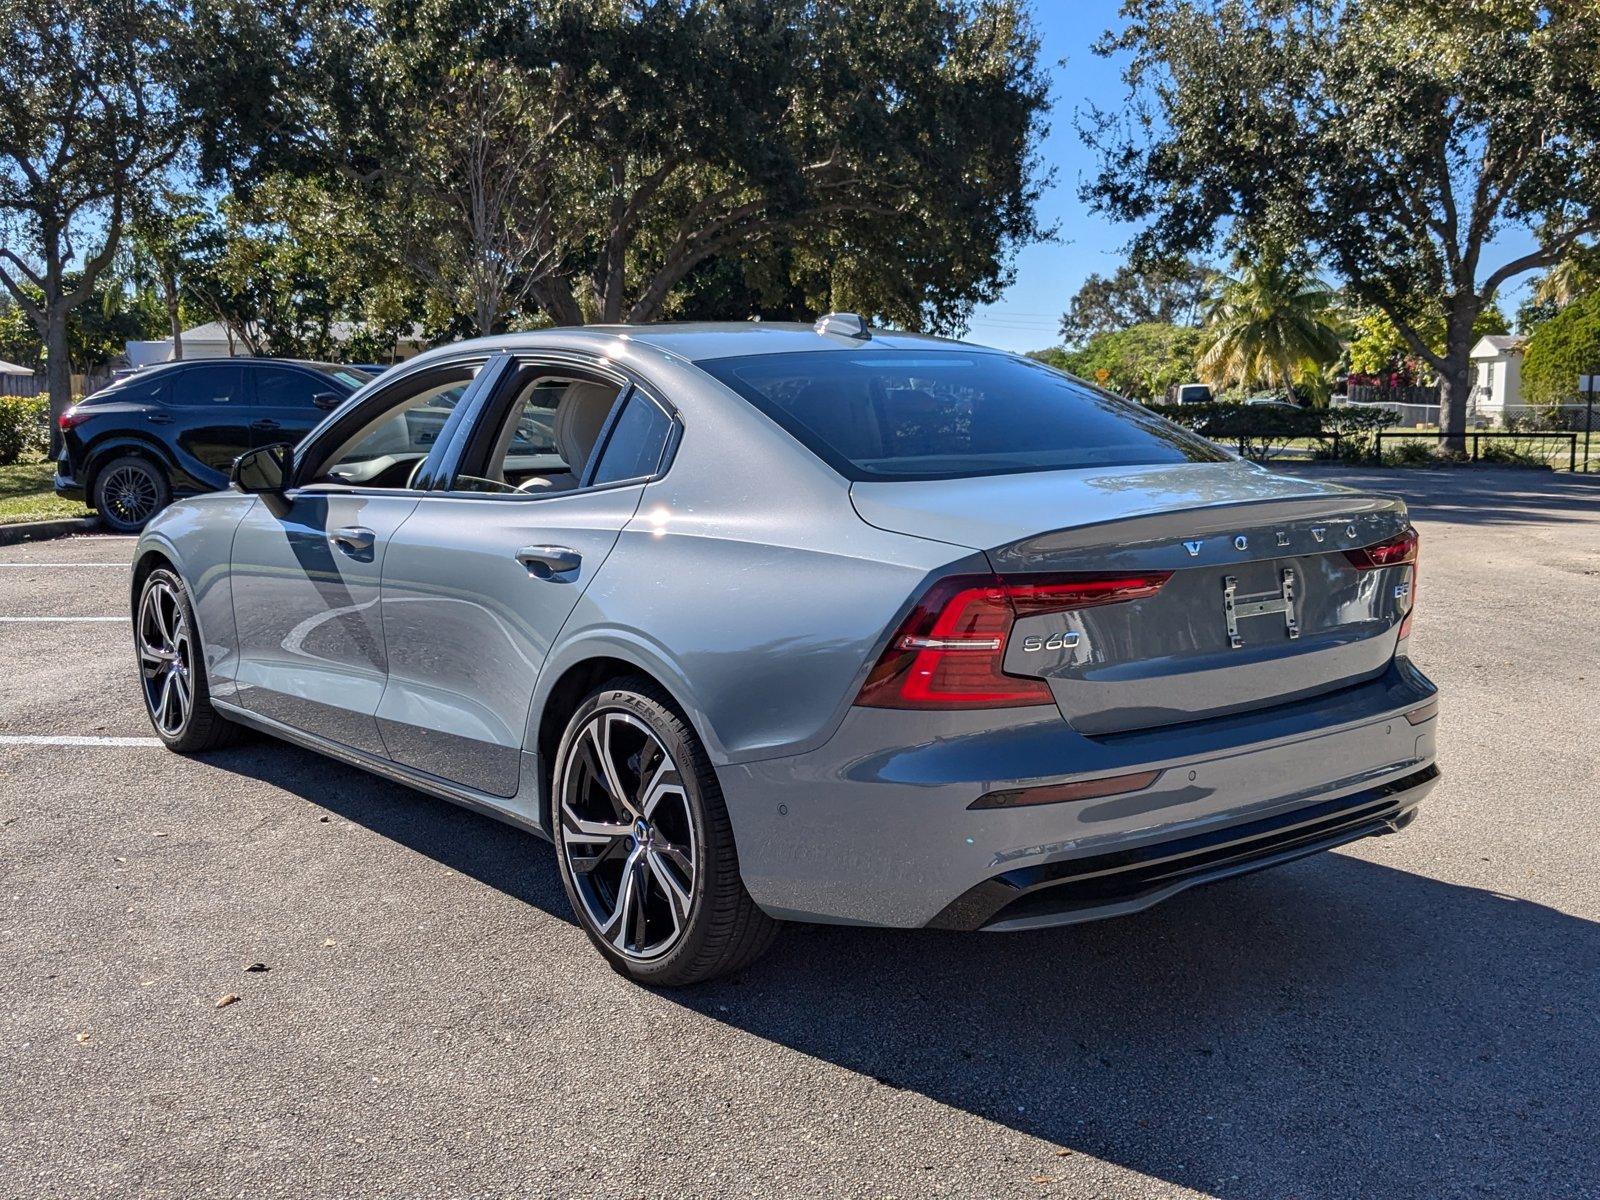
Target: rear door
[(209, 424), (479, 580)]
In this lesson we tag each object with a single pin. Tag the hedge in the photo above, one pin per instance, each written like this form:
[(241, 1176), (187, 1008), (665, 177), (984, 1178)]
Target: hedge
[(1255, 428), (24, 426)]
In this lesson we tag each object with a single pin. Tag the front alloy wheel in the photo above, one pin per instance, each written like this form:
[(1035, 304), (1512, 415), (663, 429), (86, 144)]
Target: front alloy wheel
[(644, 843), (172, 667), (166, 653)]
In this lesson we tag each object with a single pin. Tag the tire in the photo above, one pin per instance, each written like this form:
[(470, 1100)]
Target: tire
[(172, 676), (686, 917), (128, 491)]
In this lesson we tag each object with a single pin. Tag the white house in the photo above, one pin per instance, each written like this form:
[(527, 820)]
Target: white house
[(212, 340), (1497, 371)]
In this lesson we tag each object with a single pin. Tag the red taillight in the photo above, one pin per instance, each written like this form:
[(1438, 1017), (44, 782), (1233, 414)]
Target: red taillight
[(70, 418), (948, 653), (1395, 552), (1398, 551)]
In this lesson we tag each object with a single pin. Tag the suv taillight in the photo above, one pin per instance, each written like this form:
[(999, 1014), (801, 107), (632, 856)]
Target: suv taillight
[(949, 651), (70, 418), (1398, 551)]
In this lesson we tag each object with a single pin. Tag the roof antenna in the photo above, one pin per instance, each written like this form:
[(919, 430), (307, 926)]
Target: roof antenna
[(844, 324)]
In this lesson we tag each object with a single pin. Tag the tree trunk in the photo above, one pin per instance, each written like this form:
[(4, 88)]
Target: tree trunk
[(1455, 378), (174, 319), (58, 370)]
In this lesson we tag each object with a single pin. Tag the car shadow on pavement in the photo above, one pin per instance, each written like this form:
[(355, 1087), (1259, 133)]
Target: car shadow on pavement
[(1334, 1027)]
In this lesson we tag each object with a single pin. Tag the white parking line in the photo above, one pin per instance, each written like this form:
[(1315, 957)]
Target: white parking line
[(33, 620), (107, 566), (17, 739)]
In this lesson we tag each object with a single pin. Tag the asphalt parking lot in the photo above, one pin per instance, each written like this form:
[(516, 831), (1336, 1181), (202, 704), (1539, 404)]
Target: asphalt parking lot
[(1411, 1016)]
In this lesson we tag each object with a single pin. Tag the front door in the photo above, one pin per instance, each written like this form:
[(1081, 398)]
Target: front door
[(305, 600), (307, 567)]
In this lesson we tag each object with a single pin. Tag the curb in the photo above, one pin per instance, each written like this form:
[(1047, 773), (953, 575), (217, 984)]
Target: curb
[(38, 531)]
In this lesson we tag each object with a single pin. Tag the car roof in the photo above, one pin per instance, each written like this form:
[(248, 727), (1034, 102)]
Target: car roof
[(323, 367), (701, 341)]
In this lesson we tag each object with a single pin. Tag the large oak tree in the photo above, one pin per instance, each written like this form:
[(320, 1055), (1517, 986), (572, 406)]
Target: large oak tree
[(1397, 139), (628, 146)]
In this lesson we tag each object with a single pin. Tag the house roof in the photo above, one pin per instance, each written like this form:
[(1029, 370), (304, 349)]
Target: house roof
[(1495, 344), (11, 368)]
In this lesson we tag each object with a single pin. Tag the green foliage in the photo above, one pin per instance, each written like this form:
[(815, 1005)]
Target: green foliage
[(24, 427), (1411, 453), (1564, 347), (19, 337), (1273, 322), (1394, 139), (1510, 454), (1158, 293), (587, 159), (1376, 347), (1141, 362)]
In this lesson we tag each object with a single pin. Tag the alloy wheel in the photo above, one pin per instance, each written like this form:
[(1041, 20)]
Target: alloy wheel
[(166, 659), (131, 494), (627, 834)]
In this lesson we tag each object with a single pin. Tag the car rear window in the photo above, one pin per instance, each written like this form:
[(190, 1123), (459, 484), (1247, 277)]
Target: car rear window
[(896, 414)]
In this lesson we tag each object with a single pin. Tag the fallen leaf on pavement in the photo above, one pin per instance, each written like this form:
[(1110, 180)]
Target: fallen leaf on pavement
[(257, 967), (230, 998), (83, 1037), (329, 942)]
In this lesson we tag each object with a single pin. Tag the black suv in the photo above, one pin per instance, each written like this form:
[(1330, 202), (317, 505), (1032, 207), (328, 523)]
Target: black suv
[(175, 429)]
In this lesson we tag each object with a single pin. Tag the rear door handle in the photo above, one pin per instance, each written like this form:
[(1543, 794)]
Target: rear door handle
[(265, 423), (353, 540), (158, 418), (545, 561)]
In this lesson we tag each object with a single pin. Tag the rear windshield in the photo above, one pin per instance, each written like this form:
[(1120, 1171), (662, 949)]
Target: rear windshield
[(896, 414)]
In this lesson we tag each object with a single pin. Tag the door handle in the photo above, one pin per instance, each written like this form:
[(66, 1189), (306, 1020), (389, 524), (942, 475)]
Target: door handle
[(265, 423), (158, 418), (546, 561), (353, 540)]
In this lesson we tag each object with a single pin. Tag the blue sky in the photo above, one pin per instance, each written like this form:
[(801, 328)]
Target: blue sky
[(1027, 317), (1047, 276)]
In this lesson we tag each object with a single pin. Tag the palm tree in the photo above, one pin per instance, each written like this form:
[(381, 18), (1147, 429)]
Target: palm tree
[(1272, 321), (1574, 277)]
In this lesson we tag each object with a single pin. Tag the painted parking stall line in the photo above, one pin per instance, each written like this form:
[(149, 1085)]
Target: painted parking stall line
[(19, 739), (58, 620), (52, 566)]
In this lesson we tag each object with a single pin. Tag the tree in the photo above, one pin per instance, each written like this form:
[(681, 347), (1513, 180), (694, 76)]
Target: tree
[(1564, 347), (1376, 347), (164, 223), (1160, 293), (1273, 322), (1394, 138), (1141, 362), (898, 139), (86, 122)]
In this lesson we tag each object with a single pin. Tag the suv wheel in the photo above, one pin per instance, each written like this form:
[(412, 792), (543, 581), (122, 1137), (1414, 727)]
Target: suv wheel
[(128, 491), (644, 842)]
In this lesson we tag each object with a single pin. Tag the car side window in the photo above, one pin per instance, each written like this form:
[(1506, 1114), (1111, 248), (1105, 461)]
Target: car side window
[(539, 436), (636, 443), (279, 387), (389, 449), (207, 385)]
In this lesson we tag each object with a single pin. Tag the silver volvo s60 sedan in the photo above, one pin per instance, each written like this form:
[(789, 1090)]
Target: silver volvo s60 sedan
[(762, 623)]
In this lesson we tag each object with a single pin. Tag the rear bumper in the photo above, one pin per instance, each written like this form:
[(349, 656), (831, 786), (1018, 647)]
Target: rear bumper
[(1125, 881), (66, 486), (875, 827)]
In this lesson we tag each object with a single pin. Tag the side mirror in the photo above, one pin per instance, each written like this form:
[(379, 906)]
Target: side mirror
[(263, 472), (327, 401)]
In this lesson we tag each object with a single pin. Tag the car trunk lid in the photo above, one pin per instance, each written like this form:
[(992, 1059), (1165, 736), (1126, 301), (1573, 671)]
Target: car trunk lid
[(1261, 606)]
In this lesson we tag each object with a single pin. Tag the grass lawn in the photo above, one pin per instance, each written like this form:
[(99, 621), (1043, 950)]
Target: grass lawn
[(26, 494)]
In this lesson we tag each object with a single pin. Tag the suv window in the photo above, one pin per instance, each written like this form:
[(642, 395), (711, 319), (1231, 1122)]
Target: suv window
[(199, 386), (902, 414), (633, 451), (280, 387)]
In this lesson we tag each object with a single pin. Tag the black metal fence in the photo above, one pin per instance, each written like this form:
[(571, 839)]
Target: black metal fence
[(1541, 447)]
